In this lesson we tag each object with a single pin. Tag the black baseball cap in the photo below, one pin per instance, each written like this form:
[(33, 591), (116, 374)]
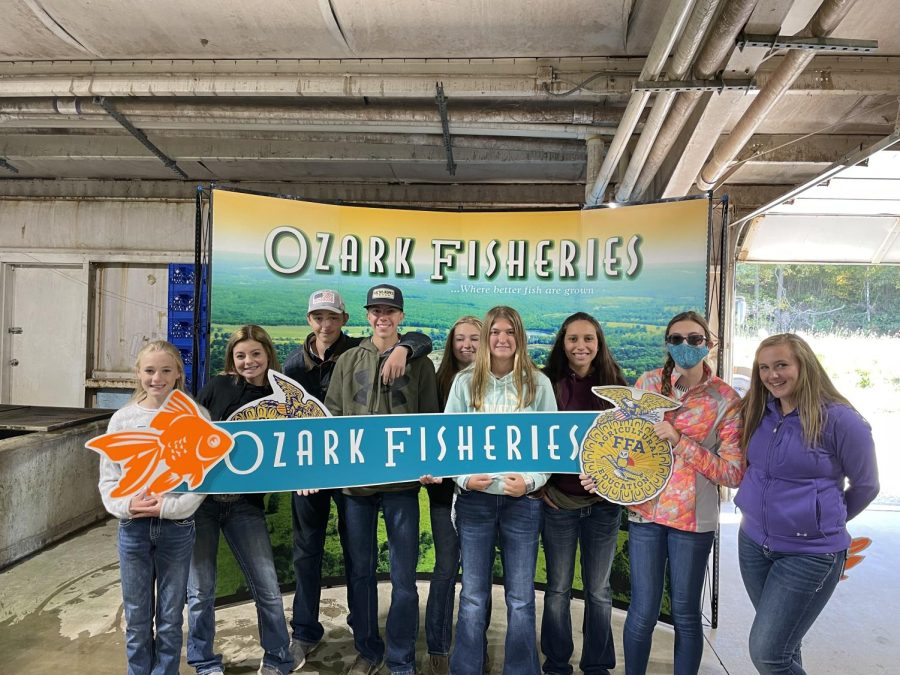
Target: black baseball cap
[(385, 294)]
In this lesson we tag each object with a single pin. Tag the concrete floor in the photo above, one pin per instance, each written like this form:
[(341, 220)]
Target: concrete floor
[(60, 612)]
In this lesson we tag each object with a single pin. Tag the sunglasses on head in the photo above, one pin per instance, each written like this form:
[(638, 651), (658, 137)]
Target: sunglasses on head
[(694, 339)]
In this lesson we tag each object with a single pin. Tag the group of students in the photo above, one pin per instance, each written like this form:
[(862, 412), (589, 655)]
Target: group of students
[(803, 458)]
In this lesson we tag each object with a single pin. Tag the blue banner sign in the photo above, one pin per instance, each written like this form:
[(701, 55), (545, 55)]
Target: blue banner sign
[(329, 452), (289, 441)]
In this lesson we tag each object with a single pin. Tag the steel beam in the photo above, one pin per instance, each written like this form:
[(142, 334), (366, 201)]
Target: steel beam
[(677, 86), (839, 45), (441, 101), (167, 161)]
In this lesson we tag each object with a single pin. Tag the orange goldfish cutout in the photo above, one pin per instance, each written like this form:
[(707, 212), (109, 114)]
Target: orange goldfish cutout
[(180, 445), (857, 546)]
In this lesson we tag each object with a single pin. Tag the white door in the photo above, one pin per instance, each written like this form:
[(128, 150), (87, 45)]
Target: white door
[(45, 362)]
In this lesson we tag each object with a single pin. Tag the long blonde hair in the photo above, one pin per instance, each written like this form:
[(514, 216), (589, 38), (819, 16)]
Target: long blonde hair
[(523, 368), (450, 365), (157, 346), (814, 390)]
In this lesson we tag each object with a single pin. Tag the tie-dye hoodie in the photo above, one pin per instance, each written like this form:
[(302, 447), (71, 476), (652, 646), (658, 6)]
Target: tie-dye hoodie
[(707, 455)]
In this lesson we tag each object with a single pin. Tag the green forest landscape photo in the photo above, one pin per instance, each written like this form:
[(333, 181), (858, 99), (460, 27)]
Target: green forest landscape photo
[(633, 313)]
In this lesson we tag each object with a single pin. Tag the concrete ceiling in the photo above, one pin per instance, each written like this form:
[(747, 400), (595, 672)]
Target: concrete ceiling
[(336, 98)]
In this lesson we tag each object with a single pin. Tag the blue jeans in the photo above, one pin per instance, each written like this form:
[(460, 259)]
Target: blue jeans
[(788, 592), (596, 529), (309, 515), (442, 590), (401, 518), (479, 518), (154, 558), (650, 547), (244, 527)]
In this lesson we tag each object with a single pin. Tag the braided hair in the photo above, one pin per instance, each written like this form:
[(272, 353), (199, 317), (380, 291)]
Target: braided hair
[(690, 315)]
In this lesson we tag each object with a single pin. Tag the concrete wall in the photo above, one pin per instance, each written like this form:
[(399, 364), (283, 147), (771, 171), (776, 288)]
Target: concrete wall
[(97, 228), (48, 488), (114, 252)]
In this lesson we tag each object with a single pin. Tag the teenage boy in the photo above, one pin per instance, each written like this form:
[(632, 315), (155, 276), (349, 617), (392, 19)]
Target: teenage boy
[(355, 389), (311, 365)]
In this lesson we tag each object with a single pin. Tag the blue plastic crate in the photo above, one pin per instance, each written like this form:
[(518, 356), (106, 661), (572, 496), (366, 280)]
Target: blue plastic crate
[(180, 328), (181, 321), (181, 274), (181, 302)]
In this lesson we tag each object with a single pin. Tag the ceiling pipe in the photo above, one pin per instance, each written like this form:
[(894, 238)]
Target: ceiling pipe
[(710, 60), (823, 22), (312, 85), (472, 129), (569, 120), (579, 113), (688, 44), (669, 30)]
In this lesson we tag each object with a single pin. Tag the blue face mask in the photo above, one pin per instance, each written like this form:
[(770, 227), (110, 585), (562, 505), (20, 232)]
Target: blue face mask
[(687, 356)]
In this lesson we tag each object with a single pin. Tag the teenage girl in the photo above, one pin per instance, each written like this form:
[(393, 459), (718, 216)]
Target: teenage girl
[(459, 353), (677, 527), (579, 360), (156, 532), (502, 379), (249, 355), (811, 468)]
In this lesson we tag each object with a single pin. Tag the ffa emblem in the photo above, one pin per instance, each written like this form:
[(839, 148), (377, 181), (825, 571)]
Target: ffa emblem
[(629, 463), (288, 400)]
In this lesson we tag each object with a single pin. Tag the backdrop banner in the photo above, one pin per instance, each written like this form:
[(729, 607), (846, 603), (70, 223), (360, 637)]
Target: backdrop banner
[(631, 267)]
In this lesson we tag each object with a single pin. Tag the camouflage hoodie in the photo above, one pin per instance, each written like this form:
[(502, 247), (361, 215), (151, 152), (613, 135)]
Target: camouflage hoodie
[(356, 389)]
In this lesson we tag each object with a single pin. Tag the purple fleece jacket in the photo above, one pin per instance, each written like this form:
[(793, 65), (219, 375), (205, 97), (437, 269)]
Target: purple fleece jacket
[(794, 498)]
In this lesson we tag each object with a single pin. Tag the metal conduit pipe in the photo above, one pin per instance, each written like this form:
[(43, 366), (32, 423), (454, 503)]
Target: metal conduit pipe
[(710, 60), (672, 24), (823, 22), (473, 129), (579, 113), (308, 85), (688, 44)]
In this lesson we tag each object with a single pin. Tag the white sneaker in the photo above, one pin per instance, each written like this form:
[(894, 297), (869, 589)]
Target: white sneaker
[(362, 667), (300, 650)]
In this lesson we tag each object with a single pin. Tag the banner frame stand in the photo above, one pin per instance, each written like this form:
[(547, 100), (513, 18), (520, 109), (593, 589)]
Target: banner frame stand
[(203, 269)]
